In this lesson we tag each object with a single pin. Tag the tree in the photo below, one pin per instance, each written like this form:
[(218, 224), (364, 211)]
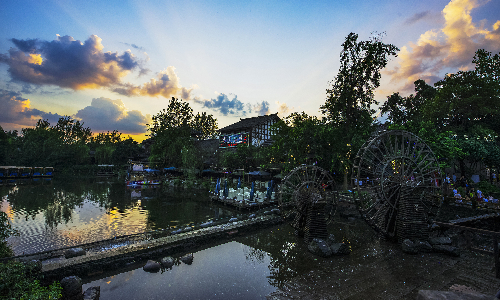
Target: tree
[(172, 130), (348, 104), (468, 98), (406, 112)]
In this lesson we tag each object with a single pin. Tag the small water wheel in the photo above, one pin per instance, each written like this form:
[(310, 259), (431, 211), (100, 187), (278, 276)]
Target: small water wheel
[(396, 177), (307, 201)]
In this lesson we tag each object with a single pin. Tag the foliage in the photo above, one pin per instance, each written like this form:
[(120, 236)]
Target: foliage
[(5, 231), (407, 111), (16, 283), (172, 129), (468, 98), (348, 104)]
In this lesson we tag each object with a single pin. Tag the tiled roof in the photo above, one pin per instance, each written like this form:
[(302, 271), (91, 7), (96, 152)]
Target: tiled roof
[(248, 123)]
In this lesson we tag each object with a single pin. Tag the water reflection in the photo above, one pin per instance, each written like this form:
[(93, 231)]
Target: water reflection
[(51, 215)]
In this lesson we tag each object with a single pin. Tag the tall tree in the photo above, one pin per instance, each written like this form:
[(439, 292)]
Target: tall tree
[(172, 129), (348, 104)]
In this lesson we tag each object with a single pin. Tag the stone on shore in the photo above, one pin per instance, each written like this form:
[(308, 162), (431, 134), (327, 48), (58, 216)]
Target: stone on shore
[(187, 259), (409, 247), (73, 252), (72, 288), (319, 247), (440, 240), (167, 262), (152, 266), (339, 249), (92, 293)]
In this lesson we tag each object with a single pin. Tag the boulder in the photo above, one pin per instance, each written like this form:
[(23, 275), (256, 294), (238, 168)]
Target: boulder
[(167, 262), (319, 247), (339, 249), (72, 288), (409, 247), (447, 249), (152, 266), (423, 246), (252, 216), (92, 293), (207, 224), (74, 252), (187, 259), (275, 211), (330, 240), (440, 240), (176, 231), (233, 220)]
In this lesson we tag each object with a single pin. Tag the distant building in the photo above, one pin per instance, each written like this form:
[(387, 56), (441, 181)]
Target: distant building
[(254, 131)]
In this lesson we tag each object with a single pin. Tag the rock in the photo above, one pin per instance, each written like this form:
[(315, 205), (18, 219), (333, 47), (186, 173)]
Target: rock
[(441, 240), (275, 211), (187, 259), (74, 252), (409, 247), (72, 288), (176, 231), (319, 247), (443, 295), (252, 216), (207, 224), (330, 240), (152, 266), (267, 212), (187, 229), (233, 220), (167, 262), (92, 293), (447, 249), (340, 249), (423, 246)]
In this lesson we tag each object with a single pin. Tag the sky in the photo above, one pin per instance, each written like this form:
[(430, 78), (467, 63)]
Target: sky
[(115, 64)]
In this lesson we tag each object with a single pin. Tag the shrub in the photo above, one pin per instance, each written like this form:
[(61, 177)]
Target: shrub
[(16, 282)]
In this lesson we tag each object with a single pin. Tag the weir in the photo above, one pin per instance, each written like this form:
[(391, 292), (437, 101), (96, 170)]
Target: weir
[(117, 253)]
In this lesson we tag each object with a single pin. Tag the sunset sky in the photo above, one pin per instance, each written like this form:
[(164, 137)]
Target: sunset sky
[(114, 64)]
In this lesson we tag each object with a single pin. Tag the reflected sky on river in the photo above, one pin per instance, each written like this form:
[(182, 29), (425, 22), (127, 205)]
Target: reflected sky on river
[(59, 213)]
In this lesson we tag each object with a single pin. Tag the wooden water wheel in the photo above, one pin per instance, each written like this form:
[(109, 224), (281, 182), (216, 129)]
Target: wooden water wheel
[(307, 200), (396, 177)]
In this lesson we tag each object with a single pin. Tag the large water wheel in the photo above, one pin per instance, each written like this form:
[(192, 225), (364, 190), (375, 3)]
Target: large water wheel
[(396, 177), (307, 201)]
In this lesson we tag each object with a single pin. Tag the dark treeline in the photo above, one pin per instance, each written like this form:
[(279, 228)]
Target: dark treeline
[(64, 145)]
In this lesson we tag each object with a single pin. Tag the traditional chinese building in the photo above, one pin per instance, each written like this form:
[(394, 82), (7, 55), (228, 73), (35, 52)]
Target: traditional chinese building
[(250, 131)]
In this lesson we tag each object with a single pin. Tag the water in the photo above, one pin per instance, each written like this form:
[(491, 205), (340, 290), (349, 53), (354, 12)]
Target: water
[(66, 212), (227, 271)]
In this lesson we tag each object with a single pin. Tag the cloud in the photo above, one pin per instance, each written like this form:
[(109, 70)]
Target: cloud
[(262, 108), (417, 17), (105, 114), (16, 110), (283, 109), (67, 63), (165, 84), (135, 46), (448, 49), (223, 105)]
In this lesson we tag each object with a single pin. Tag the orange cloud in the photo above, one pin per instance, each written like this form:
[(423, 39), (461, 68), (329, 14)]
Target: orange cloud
[(283, 109), (447, 49), (166, 84)]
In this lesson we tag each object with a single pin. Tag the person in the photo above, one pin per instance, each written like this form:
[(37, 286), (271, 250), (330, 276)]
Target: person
[(479, 195)]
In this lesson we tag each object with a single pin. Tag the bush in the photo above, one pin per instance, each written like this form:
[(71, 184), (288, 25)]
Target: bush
[(16, 282), (5, 231)]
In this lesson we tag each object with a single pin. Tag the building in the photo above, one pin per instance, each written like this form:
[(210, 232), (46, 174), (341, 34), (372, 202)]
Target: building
[(254, 131)]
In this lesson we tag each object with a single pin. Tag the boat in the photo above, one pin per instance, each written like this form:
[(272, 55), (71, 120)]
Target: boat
[(25, 172), (48, 172), (37, 172)]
